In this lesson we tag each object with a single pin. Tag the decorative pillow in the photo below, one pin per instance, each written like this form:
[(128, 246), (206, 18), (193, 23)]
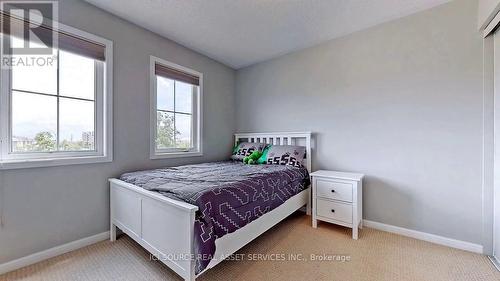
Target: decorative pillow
[(244, 149), (283, 155)]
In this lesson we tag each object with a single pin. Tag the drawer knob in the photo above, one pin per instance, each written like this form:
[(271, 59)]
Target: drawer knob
[(333, 211), (333, 190)]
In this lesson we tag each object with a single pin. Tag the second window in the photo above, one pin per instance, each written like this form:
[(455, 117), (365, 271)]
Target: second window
[(176, 120)]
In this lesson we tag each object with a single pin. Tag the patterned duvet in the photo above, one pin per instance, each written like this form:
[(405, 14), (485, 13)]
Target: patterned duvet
[(229, 195)]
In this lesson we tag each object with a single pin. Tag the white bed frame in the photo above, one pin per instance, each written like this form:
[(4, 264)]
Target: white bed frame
[(165, 227)]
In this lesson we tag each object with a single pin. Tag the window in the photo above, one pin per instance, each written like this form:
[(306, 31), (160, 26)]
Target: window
[(175, 110), (61, 113)]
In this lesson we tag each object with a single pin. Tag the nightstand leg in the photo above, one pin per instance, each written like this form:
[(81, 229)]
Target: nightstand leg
[(355, 232), (112, 233), (315, 223)]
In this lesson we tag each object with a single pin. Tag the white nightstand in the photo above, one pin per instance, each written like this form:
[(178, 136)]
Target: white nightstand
[(337, 198)]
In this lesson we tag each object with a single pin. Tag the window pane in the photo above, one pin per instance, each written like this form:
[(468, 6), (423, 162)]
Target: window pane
[(183, 127), (165, 130), (164, 93), (76, 125), (183, 97), (33, 78), (34, 122), (76, 76)]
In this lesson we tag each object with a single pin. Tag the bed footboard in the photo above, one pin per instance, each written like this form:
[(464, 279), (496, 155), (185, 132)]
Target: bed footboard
[(163, 226)]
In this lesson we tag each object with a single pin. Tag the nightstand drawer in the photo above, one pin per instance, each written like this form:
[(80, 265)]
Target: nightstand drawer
[(334, 210), (334, 190)]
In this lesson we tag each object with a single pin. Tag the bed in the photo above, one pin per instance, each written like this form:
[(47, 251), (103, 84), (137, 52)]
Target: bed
[(165, 211)]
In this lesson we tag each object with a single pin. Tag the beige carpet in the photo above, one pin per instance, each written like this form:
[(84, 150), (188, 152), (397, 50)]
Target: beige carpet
[(375, 256)]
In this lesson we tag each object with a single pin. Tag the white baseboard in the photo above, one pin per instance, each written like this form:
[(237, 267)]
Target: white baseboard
[(445, 241), (52, 252)]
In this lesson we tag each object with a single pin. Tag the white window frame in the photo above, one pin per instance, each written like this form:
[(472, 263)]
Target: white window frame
[(197, 116), (103, 121)]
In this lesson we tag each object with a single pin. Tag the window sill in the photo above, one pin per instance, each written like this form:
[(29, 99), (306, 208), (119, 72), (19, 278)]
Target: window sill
[(39, 163), (167, 155)]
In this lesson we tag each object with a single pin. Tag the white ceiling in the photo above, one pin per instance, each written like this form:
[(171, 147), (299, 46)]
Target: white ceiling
[(239, 33)]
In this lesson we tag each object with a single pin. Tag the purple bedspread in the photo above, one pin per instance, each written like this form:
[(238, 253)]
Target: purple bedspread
[(229, 195)]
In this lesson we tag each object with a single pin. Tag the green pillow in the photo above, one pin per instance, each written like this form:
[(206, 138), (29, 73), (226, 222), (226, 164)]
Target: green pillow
[(263, 158)]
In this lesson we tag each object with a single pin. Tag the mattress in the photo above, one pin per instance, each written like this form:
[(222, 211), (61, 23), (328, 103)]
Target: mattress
[(229, 195)]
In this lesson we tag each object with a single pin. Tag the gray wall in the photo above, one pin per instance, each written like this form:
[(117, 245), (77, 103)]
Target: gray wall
[(400, 102), (46, 207)]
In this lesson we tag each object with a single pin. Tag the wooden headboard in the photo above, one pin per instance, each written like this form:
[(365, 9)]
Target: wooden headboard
[(281, 138)]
